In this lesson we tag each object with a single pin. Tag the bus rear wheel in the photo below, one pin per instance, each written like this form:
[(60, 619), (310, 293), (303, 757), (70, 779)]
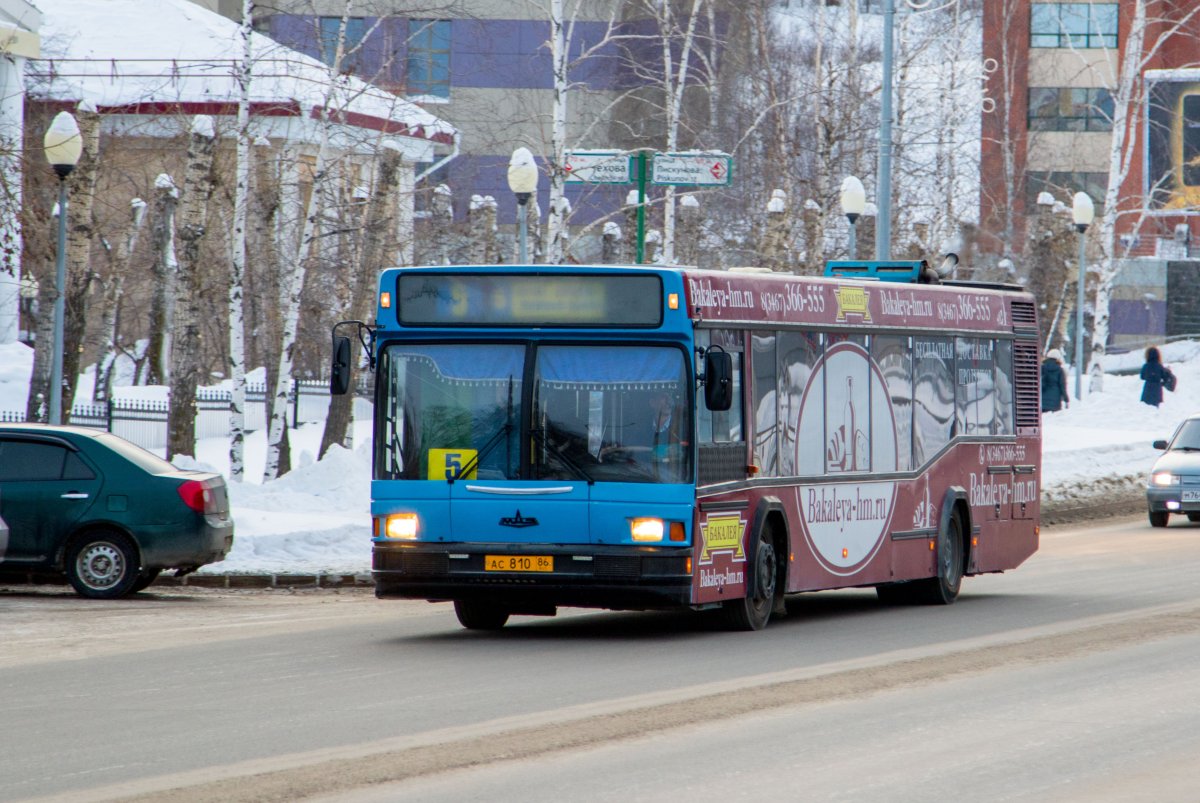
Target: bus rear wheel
[(753, 613), (475, 614), (943, 589)]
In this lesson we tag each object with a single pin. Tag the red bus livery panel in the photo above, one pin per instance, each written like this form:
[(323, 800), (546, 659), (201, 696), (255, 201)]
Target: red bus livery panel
[(743, 299), (861, 502)]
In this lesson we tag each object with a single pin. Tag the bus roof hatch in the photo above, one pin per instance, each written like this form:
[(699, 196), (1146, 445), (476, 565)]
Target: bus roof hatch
[(908, 271)]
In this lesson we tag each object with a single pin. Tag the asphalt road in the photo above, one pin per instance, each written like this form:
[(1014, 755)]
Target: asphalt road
[(1076, 673)]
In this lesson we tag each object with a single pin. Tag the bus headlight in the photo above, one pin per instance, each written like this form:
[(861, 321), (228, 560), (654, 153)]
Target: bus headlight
[(402, 526), (1164, 478), (646, 529)]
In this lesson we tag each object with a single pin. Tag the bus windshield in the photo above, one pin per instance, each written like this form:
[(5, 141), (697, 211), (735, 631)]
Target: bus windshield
[(612, 413)]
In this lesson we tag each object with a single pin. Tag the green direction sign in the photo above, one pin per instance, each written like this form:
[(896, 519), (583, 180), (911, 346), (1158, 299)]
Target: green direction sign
[(696, 168), (599, 167)]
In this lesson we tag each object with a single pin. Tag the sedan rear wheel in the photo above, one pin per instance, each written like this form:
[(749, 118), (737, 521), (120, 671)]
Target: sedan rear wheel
[(102, 565)]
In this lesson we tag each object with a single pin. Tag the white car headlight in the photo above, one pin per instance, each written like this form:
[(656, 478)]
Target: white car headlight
[(1164, 478)]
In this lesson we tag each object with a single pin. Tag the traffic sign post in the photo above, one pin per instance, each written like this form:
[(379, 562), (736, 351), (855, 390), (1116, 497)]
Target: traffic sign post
[(689, 169), (694, 169), (599, 167)]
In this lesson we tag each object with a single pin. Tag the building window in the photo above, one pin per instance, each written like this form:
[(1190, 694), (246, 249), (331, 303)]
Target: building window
[(428, 63), (1063, 185), (1079, 25), (356, 28), (1070, 109)]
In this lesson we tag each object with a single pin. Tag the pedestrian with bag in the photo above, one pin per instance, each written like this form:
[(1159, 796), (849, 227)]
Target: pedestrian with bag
[(1054, 383), (1156, 376)]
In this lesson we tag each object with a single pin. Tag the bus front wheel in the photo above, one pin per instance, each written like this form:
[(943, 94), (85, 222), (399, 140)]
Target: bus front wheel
[(752, 613), (474, 614)]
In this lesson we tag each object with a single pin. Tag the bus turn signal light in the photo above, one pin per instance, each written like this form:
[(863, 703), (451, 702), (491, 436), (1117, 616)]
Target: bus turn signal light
[(385, 300), (672, 300), (677, 531)]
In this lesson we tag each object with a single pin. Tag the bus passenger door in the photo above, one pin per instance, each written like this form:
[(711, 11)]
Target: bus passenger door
[(526, 512)]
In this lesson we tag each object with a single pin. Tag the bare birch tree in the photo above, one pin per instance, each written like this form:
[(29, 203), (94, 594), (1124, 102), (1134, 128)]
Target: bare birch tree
[(377, 252), (237, 262), (1128, 95), (114, 288)]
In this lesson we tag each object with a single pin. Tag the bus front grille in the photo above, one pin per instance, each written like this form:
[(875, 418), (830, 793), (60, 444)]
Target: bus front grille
[(625, 566)]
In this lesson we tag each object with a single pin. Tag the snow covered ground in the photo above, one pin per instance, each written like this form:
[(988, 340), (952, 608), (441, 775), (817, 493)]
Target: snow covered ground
[(315, 519)]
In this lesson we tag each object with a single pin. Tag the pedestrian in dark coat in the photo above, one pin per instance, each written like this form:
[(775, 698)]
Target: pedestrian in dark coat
[(1054, 383), (1153, 374)]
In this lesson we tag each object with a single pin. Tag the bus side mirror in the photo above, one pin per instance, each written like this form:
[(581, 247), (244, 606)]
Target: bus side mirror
[(339, 378), (1160, 445), (718, 380)]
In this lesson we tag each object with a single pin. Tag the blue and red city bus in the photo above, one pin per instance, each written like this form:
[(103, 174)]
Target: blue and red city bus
[(647, 438)]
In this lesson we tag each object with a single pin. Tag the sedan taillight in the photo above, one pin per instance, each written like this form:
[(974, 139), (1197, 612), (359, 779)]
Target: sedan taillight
[(194, 494)]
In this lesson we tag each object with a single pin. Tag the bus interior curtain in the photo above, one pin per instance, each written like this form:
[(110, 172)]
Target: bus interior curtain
[(591, 365)]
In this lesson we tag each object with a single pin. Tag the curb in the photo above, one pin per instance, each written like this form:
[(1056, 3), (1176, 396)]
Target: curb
[(283, 581)]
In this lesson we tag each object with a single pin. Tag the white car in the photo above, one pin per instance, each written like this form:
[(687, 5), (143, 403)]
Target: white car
[(1174, 485)]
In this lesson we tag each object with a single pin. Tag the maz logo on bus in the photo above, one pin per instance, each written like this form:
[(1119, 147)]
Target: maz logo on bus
[(518, 521)]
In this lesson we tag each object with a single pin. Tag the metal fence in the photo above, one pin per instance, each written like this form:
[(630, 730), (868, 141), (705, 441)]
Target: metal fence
[(145, 422)]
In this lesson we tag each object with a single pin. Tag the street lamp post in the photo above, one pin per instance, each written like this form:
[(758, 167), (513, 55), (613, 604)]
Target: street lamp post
[(854, 202), (63, 146), (522, 180), (1083, 211)]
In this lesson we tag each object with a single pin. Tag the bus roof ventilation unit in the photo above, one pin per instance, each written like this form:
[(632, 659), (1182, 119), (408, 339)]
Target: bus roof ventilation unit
[(908, 272)]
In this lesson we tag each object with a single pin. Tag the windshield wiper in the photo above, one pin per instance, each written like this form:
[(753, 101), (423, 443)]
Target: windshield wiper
[(561, 455), (507, 427), (470, 465)]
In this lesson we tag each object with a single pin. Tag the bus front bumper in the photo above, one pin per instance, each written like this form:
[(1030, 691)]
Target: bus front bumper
[(575, 575)]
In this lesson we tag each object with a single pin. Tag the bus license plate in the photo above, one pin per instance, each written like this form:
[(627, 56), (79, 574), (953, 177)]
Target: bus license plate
[(518, 563), (1191, 496)]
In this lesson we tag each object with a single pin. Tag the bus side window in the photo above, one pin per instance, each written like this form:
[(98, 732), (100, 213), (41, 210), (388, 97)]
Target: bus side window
[(723, 426)]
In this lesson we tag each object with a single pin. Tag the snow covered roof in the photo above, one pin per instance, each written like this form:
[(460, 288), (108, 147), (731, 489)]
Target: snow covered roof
[(145, 57)]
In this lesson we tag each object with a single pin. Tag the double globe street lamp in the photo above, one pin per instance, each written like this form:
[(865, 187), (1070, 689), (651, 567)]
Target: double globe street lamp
[(64, 146), (522, 180), (854, 203)]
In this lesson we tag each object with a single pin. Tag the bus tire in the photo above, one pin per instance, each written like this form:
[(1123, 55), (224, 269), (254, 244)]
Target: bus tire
[(476, 614), (1194, 516), (753, 613), (1159, 518), (943, 589)]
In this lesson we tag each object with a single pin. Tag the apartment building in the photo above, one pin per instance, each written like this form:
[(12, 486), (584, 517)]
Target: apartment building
[(1053, 70), (485, 66)]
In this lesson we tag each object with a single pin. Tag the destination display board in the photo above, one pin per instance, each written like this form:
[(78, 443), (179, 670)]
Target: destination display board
[(540, 299)]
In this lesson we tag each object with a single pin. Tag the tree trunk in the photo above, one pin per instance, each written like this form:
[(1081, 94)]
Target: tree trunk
[(237, 272), (185, 349), (166, 270), (81, 193)]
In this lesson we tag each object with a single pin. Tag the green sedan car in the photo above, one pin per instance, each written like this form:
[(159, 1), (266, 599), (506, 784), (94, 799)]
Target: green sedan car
[(108, 515)]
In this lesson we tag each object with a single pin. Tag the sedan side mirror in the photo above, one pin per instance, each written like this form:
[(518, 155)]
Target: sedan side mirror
[(339, 377), (1159, 445), (718, 380)]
